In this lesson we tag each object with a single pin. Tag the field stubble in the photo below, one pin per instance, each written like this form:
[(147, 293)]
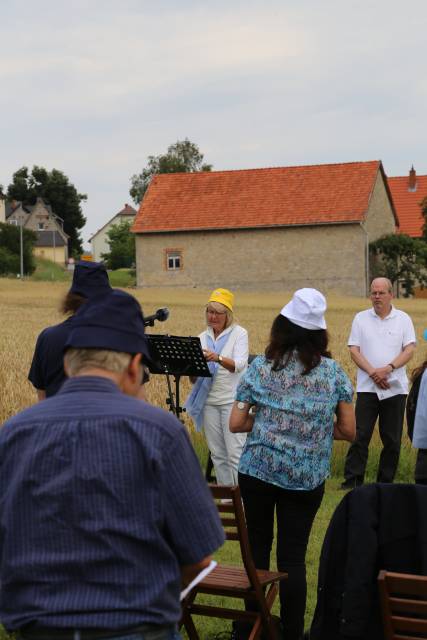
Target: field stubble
[(27, 307)]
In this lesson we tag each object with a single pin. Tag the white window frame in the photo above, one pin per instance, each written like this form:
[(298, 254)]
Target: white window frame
[(173, 260)]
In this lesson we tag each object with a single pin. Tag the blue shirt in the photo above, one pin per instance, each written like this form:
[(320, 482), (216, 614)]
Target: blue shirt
[(102, 500), (47, 367), (291, 441), (419, 439)]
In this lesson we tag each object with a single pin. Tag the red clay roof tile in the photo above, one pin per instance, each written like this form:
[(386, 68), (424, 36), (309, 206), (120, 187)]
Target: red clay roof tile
[(407, 204), (317, 194)]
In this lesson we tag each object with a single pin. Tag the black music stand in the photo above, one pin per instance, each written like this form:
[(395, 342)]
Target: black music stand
[(177, 356)]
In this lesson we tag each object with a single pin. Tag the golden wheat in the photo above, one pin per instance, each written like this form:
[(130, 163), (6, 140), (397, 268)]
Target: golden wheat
[(27, 307)]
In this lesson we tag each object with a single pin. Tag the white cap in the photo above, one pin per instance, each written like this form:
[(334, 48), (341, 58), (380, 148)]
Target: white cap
[(306, 309)]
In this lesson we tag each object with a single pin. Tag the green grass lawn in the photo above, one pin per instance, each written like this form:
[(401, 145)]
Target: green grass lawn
[(46, 270), (122, 278), (50, 271)]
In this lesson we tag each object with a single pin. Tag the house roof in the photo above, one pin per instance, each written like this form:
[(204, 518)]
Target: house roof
[(126, 211), (46, 239), (407, 203), (281, 196)]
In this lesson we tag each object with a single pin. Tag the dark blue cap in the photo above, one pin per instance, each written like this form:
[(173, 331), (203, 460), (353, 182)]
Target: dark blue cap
[(113, 322), (90, 279)]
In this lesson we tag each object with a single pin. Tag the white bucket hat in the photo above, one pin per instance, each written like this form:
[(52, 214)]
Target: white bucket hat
[(306, 309)]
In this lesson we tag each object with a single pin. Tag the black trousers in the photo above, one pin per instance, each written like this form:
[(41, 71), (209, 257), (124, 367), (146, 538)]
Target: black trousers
[(421, 467), (295, 512), (390, 413)]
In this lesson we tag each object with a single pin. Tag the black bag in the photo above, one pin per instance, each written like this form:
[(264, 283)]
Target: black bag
[(411, 405)]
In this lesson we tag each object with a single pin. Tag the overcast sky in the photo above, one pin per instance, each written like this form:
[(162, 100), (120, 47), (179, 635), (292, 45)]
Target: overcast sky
[(93, 87)]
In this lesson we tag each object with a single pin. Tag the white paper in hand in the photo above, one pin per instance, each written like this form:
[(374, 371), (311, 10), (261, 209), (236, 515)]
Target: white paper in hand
[(206, 571)]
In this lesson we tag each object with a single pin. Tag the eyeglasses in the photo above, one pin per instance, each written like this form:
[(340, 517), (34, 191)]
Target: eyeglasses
[(213, 312)]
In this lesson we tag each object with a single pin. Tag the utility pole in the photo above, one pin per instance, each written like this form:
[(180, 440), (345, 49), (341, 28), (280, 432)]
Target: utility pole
[(21, 249)]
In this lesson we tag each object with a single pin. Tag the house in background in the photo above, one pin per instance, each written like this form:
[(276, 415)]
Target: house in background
[(272, 229), (52, 241), (408, 192), (99, 240)]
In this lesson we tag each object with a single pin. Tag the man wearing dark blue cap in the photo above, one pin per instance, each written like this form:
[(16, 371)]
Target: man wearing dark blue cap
[(105, 510), (47, 374)]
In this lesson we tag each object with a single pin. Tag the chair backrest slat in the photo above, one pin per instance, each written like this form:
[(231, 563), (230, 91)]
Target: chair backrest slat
[(404, 605), (240, 533)]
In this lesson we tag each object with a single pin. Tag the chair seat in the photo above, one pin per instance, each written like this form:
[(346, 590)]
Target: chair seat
[(245, 582), (228, 578)]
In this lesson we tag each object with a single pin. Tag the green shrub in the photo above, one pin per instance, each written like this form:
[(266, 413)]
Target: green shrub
[(9, 262), (10, 242)]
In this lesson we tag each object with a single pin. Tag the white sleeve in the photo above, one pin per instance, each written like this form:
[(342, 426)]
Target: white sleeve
[(202, 337), (408, 332), (354, 339), (241, 351)]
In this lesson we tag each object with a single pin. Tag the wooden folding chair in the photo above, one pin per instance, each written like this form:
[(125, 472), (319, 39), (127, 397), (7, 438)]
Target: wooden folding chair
[(246, 583), (404, 605)]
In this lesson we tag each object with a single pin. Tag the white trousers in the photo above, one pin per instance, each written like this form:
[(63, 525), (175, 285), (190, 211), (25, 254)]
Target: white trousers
[(225, 447)]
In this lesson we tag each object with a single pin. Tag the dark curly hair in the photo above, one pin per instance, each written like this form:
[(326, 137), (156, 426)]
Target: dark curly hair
[(71, 303), (285, 337)]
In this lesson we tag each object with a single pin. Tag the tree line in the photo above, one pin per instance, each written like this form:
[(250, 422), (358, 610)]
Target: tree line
[(65, 200)]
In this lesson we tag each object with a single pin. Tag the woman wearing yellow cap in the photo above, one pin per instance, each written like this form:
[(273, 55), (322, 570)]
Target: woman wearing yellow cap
[(225, 345)]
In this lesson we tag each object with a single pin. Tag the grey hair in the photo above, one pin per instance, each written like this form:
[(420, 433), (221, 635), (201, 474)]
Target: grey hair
[(388, 282), (77, 360)]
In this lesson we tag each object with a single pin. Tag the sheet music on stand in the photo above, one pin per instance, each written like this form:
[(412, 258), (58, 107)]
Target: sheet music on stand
[(177, 355)]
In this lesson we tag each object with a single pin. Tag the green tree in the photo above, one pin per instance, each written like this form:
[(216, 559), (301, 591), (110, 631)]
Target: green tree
[(56, 189), (401, 259), (182, 157), (423, 205), (10, 249), (122, 246)]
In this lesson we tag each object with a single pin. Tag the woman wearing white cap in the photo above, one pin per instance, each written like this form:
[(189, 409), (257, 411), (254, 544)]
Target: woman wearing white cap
[(225, 345), (297, 390)]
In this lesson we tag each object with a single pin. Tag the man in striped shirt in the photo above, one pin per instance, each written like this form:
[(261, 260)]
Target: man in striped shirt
[(104, 512)]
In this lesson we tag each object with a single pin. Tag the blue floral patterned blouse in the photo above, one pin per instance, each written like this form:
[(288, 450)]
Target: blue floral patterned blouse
[(290, 444)]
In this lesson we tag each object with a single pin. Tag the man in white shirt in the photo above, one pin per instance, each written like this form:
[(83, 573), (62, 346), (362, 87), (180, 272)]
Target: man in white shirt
[(381, 342)]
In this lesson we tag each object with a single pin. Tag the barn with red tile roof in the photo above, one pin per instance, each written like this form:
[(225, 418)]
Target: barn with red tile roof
[(408, 192), (275, 229)]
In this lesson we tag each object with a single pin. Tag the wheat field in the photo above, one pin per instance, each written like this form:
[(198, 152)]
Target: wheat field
[(27, 307)]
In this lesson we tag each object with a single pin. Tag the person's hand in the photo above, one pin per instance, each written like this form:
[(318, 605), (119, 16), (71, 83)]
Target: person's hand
[(210, 356), (380, 375)]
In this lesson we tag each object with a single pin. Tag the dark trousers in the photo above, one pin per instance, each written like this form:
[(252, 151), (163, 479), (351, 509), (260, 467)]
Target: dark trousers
[(295, 512), (421, 467), (390, 413)]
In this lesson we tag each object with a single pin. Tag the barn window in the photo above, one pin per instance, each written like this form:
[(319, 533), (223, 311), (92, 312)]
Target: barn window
[(173, 259)]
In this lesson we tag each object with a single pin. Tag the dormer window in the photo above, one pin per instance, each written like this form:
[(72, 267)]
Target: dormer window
[(41, 226)]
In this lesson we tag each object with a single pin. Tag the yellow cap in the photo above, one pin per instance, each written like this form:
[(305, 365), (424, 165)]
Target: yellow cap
[(223, 296)]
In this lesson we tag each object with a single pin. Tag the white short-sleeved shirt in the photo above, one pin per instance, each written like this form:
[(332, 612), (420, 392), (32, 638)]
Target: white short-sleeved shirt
[(380, 340), (225, 383)]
